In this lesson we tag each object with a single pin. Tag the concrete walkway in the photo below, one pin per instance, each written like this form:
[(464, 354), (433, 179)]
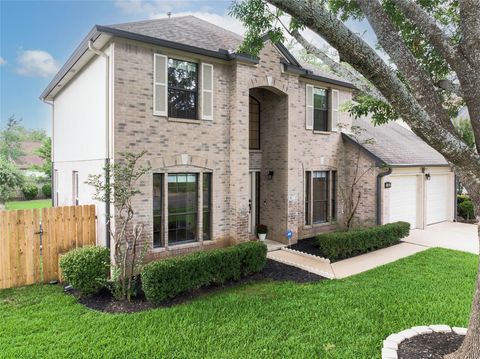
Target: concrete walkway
[(450, 235), (457, 236)]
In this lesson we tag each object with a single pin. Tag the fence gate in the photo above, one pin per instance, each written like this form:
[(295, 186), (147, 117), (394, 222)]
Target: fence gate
[(31, 241)]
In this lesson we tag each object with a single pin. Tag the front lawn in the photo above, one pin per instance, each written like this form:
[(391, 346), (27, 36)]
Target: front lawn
[(330, 319), (36, 203)]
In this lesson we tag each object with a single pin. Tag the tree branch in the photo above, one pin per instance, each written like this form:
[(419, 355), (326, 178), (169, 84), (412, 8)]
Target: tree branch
[(417, 77), (341, 70), (365, 60), (431, 30)]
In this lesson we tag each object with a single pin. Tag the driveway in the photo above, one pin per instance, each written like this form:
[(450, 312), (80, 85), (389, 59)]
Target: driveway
[(450, 235)]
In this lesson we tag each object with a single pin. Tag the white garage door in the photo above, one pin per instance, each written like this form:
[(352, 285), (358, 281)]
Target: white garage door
[(437, 198), (403, 199)]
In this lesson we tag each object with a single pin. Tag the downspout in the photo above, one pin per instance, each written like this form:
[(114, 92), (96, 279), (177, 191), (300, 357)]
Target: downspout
[(52, 184), (379, 193), (107, 136)]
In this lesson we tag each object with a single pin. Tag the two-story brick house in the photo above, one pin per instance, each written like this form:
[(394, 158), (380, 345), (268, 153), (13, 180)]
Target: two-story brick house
[(232, 141)]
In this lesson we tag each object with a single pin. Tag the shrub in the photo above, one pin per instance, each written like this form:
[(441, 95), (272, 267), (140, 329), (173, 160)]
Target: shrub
[(345, 244), (86, 268), (47, 190), (30, 191), (466, 210), (166, 278)]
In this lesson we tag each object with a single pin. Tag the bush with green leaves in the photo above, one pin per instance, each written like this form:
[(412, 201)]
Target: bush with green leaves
[(47, 190), (465, 207), (10, 180), (30, 191), (169, 277), (345, 244), (86, 269)]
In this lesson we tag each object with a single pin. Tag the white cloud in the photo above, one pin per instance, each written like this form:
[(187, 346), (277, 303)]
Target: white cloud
[(36, 63), (150, 7), (2, 61)]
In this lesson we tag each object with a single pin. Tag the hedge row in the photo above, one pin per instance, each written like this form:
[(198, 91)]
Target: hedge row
[(345, 244), (168, 277)]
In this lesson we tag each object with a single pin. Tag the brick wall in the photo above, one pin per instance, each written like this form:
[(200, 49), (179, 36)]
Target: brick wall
[(221, 146)]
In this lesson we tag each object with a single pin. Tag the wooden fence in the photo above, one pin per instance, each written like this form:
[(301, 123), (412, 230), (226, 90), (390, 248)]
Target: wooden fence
[(32, 240)]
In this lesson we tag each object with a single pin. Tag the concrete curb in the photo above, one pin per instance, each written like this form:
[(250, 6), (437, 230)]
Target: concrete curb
[(391, 343), (308, 255)]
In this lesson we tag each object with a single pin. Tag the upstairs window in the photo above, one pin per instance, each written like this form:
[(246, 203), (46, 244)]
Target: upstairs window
[(254, 124), (320, 109), (182, 89)]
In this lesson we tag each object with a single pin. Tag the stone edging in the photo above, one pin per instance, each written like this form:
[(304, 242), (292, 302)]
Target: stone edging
[(304, 267), (390, 345), (308, 255)]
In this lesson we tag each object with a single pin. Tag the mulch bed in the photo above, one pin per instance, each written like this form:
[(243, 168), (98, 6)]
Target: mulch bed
[(308, 245), (273, 271), (431, 346)]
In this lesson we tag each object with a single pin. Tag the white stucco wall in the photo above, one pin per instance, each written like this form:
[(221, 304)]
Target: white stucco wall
[(79, 132)]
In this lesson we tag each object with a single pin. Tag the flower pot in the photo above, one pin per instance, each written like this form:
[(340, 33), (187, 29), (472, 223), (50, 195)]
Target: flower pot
[(262, 236)]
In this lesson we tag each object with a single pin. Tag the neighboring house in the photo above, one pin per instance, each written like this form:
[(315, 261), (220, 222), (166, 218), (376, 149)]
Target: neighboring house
[(30, 158), (233, 141)]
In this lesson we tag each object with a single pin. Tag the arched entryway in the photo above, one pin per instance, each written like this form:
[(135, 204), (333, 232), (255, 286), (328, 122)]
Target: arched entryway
[(268, 161)]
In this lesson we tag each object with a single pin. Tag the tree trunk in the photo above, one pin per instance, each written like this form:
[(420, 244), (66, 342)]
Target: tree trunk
[(470, 348)]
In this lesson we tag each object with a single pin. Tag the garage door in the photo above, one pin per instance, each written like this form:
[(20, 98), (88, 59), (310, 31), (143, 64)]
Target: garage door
[(437, 198), (403, 199)]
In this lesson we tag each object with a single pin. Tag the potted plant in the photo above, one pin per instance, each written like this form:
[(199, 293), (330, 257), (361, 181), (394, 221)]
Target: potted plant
[(262, 231)]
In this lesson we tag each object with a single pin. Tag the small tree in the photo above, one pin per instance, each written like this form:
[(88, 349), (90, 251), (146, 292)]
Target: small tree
[(119, 187), (10, 140), (11, 179), (45, 153), (349, 191)]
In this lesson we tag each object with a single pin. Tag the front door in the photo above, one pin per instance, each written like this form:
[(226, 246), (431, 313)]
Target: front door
[(253, 201)]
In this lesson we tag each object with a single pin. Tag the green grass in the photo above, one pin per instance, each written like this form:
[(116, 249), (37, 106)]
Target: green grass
[(36, 203), (331, 319)]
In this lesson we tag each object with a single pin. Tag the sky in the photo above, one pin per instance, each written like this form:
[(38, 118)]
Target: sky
[(37, 37)]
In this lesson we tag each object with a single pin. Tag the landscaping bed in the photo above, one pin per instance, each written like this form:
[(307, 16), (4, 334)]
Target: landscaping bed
[(309, 246), (273, 271), (432, 346), (341, 244)]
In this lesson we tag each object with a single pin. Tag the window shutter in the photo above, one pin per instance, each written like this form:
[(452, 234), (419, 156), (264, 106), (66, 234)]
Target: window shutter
[(160, 85), (333, 109), (309, 107), (207, 92)]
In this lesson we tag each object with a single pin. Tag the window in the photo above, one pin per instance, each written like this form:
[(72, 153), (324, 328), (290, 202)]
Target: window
[(320, 197), (55, 186), (254, 123), (207, 205), (182, 89), (158, 210), (182, 208), (308, 180), (334, 196), (320, 109), (74, 188)]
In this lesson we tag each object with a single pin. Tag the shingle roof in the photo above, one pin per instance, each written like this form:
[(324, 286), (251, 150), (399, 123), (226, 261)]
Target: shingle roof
[(192, 31), (188, 30), (396, 145)]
